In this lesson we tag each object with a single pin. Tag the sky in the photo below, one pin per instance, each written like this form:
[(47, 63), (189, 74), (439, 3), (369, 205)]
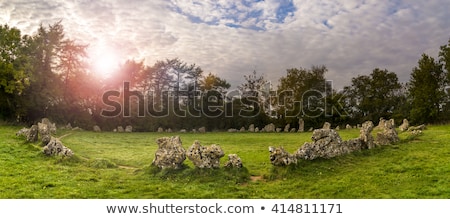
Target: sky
[(234, 38)]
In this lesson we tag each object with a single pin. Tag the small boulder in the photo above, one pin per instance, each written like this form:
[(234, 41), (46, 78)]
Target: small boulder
[(234, 161)]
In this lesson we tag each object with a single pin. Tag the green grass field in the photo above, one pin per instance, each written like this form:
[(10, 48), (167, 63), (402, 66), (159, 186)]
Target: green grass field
[(117, 165)]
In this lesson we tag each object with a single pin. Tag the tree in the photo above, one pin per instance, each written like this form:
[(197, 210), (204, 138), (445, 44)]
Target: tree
[(302, 94), (444, 55), (14, 70), (374, 96), (213, 82), (255, 92), (426, 88)]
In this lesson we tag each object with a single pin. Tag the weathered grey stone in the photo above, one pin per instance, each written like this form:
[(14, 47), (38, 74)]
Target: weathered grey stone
[(205, 157), (51, 126), (202, 130), (44, 133), (348, 126), (194, 130), (415, 128), (311, 129), (56, 148), (326, 125), (232, 130), (33, 134), (337, 128), (326, 144), (170, 153), (381, 124), (269, 128), (287, 128), (242, 129), (280, 157), (169, 130), (23, 132), (234, 161), (387, 134), (96, 128), (160, 129), (77, 129), (120, 129), (129, 128), (183, 130), (278, 130), (114, 130), (301, 125), (404, 126), (256, 129), (251, 128), (365, 134), (293, 130), (68, 126)]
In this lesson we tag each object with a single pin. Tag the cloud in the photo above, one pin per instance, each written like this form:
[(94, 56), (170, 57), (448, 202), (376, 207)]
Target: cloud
[(233, 38)]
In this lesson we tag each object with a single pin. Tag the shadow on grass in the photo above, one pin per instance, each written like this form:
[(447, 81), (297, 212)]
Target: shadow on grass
[(188, 174)]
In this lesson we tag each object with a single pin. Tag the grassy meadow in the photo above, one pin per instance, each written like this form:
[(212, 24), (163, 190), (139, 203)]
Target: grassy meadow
[(117, 165)]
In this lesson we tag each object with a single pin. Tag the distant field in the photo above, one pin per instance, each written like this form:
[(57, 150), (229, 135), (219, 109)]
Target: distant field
[(117, 165)]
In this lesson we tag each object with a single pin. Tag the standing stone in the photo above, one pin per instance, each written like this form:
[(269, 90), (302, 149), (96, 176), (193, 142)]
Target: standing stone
[(23, 132), (404, 126), (129, 128), (32, 135), (194, 130), (68, 126), (202, 129), (278, 129), (234, 161), (251, 128), (388, 134), (270, 128), (256, 129), (169, 130), (337, 128), (293, 130), (44, 132), (287, 128), (365, 134), (160, 129), (326, 144), (51, 126), (170, 153), (242, 129), (183, 130), (205, 157), (311, 129), (326, 125), (301, 125), (348, 126), (97, 128), (232, 130), (392, 121), (56, 148), (381, 124), (417, 128), (120, 129), (280, 157)]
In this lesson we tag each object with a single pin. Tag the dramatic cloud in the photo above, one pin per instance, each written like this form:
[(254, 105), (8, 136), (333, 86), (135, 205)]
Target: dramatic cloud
[(233, 38)]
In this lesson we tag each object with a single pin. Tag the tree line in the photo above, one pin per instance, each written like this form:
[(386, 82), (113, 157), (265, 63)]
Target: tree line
[(49, 75)]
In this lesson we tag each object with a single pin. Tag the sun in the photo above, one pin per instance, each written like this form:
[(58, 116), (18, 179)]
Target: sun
[(105, 61)]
